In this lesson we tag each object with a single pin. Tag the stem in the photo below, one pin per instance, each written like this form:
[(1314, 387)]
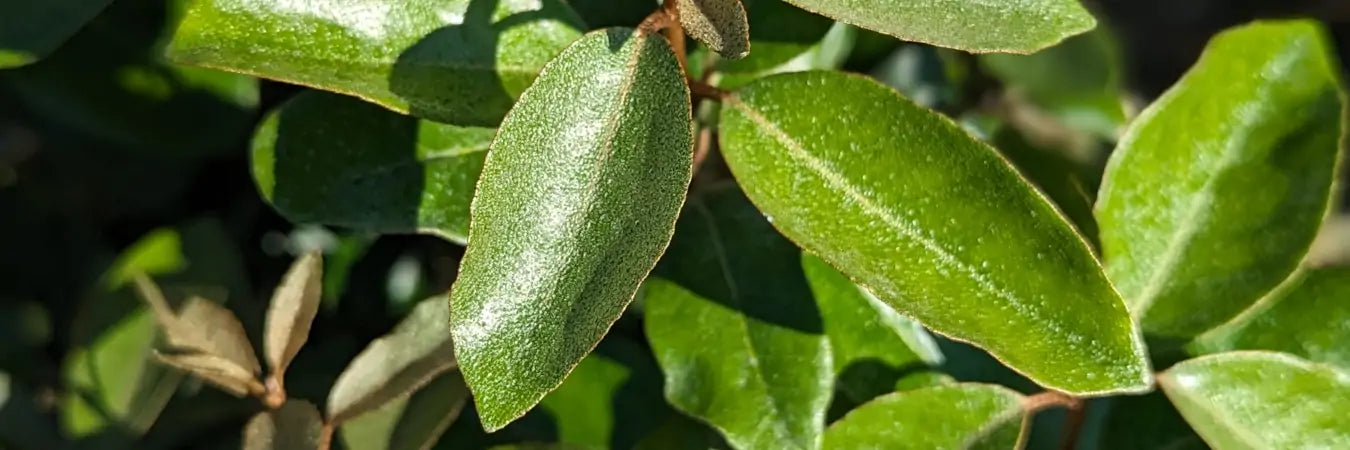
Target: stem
[(274, 394), (326, 436), (1046, 400), (1073, 425), (675, 31), (701, 90), (701, 147)]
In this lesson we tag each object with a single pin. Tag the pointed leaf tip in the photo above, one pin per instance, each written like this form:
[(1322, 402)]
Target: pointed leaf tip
[(294, 305)]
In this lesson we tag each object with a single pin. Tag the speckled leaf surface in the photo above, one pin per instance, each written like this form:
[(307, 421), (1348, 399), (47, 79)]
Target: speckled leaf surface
[(29, 30), (577, 200), (934, 223), (873, 347), (415, 352), (957, 416), (733, 325), (779, 32), (455, 61), (1013, 26), (335, 160), (719, 24), (1261, 400), (1216, 191), (1308, 316)]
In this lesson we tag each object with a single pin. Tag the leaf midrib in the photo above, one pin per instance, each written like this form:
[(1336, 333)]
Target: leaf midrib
[(797, 151)]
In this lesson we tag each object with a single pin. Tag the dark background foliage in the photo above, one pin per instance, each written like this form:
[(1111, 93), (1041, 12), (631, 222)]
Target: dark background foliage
[(92, 159)]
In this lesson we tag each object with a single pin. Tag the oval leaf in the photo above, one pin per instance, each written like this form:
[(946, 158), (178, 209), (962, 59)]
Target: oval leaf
[(334, 160), (1259, 400), (410, 423), (294, 304), (577, 200), (733, 326), (1021, 26), (934, 223), (958, 416), (874, 347), (719, 24), (294, 426), (456, 61), (30, 30), (1217, 190), (1306, 316), (400, 362)]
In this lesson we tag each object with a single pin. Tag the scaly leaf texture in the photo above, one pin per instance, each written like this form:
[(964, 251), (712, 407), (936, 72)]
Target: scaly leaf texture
[(735, 330), (1261, 400), (577, 200), (454, 61), (934, 223), (1011, 26), (1216, 191), (719, 24), (336, 160)]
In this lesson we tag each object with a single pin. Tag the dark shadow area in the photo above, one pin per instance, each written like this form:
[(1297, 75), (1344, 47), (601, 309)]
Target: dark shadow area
[(864, 380), (454, 75), (1145, 421)]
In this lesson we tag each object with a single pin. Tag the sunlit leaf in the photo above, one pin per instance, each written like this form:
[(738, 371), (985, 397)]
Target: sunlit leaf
[(958, 416), (719, 24), (291, 312), (1015, 26)]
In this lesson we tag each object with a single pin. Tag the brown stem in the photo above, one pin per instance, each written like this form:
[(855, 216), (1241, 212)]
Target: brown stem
[(701, 147), (704, 91), (675, 31), (1073, 425), (326, 436), (1047, 399)]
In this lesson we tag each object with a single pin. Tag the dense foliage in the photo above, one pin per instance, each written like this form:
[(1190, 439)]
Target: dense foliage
[(748, 224)]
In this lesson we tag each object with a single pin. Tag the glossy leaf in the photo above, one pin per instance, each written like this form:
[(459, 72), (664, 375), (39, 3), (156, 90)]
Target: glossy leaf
[(873, 347), (934, 223), (958, 416), (1305, 316), (30, 30), (334, 160), (1259, 400), (455, 61), (1014, 26), (719, 24), (413, 422), (289, 316), (757, 364), (414, 353), (217, 370), (1078, 80), (1216, 192), (295, 426), (779, 33), (577, 199)]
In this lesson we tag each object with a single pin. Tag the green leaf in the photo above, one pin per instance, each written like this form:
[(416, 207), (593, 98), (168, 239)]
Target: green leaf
[(873, 347), (455, 61), (335, 160), (934, 223), (1070, 183), (1014, 26), (829, 52), (611, 399), (719, 24), (958, 416), (412, 422), (1305, 316), (1078, 80), (295, 426), (577, 199), (416, 351), (1216, 192), (779, 32), (29, 30), (1259, 400), (294, 304), (734, 328)]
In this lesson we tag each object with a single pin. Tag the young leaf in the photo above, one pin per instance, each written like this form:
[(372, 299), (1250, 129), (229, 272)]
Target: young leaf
[(1305, 316), (1021, 26), (217, 370), (294, 304), (934, 223), (779, 33), (958, 416), (295, 426), (200, 326), (1257, 400), (416, 351), (1217, 190), (335, 160), (410, 423), (735, 330), (873, 347), (30, 30), (577, 199), (455, 61), (719, 24)]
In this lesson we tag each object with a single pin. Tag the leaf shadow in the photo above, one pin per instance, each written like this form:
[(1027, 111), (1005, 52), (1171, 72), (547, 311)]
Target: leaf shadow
[(454, 74)]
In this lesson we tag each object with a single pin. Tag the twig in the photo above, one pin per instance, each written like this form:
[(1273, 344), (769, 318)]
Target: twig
[(675, 31), (704, 91), (1073, 425), (326, 436), (1076, 407), (701, 147)]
